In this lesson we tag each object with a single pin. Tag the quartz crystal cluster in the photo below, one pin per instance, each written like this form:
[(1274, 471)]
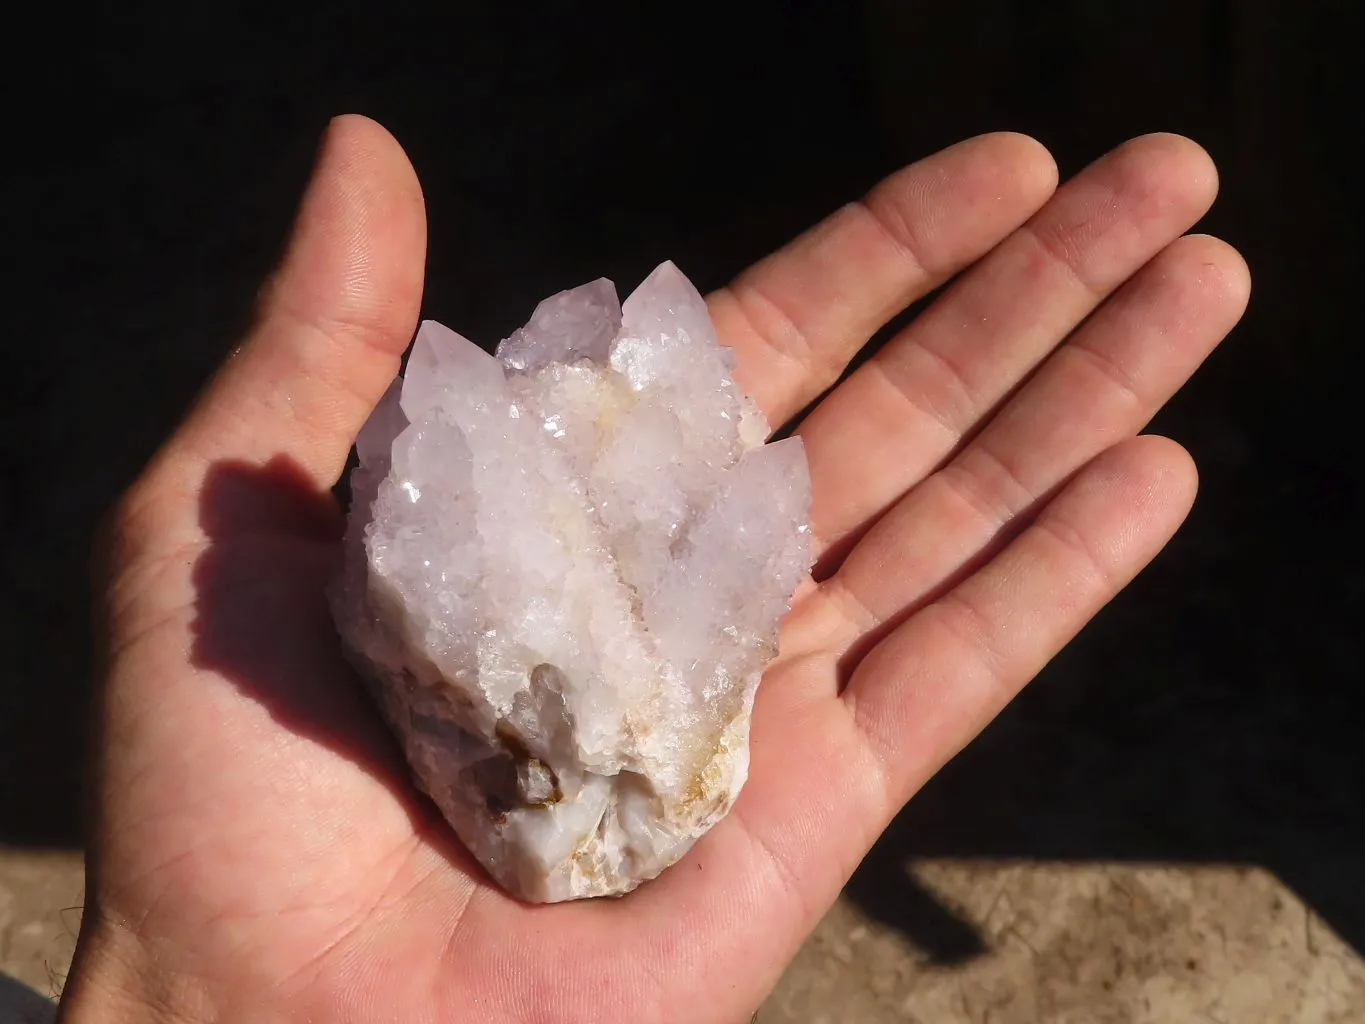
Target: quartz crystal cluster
[(564, 570)]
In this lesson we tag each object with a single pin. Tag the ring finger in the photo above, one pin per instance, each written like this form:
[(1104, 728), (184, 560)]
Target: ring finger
[(1098, 389)]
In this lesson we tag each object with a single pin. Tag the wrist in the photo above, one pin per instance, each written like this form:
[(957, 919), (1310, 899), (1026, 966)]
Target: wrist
[(114, 980)]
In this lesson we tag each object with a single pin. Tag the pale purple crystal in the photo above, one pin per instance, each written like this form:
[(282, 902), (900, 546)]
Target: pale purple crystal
[(565, 567)]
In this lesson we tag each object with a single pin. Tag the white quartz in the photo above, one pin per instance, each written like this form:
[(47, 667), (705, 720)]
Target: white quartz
[(564, 571)]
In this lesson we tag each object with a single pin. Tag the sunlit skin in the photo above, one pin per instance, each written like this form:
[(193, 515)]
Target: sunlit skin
[(980, 491)]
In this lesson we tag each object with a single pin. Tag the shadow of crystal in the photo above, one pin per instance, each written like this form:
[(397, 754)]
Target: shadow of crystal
[(262, 620)]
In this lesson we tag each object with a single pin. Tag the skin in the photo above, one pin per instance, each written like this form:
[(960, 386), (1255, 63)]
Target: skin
[(981, 490)]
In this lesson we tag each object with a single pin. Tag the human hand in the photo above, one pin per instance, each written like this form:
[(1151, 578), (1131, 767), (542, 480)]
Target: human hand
[(979, 493)]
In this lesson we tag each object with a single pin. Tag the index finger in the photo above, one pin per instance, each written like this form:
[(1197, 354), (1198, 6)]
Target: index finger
[(796, 318)]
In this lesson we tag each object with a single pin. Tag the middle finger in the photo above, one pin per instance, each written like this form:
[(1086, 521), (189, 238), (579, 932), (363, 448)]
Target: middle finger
[(910, 405)]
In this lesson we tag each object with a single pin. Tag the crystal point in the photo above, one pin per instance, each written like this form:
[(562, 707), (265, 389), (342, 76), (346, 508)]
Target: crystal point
[(576, 324)]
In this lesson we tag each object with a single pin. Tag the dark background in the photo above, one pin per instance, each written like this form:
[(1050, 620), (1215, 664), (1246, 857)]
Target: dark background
[(1214, 713)]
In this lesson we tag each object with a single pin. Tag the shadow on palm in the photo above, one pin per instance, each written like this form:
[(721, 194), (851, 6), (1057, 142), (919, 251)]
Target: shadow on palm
[(262, 622)]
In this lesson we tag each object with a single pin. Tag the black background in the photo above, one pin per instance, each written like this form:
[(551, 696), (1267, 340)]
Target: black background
[(1213, 714)]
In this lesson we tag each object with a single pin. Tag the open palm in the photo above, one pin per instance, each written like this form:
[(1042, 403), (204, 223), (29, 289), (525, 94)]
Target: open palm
[(980, 491)]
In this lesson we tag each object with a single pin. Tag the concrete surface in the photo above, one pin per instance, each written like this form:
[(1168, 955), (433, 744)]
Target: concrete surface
[(1063, 944), (40, 916), (1085, 944)]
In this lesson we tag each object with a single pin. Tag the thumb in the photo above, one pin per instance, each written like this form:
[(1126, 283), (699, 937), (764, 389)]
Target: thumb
[(334, 320)]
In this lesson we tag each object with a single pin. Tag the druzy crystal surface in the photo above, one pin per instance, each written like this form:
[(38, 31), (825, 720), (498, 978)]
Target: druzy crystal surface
[(564, 570)]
